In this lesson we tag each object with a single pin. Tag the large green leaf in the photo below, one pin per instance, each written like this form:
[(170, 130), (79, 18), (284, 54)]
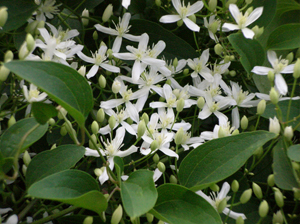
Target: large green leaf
[(177, 205), (119, 164), (62, 83), (269, 10), (286, 6), (251, 51), (49, 162), (138, 193), (283, 171), (43, 112), (285, 37), (19, 11), (294, 152), (74, 187), (219, 158)]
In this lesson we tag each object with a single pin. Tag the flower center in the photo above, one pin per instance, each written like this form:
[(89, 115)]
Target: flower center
[(279, 65), (214, 107), (127, 95), (33, 94)]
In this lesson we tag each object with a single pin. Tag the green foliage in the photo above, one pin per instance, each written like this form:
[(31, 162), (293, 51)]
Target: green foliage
[(43, 112)]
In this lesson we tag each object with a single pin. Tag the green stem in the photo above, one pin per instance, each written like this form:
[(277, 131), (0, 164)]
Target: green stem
[(290, 101)]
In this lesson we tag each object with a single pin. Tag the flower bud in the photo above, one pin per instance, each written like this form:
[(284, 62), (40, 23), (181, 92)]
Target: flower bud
[(161, 167), (26, 158), (95, 35), (200, 102), (296, 73), (85, 21), (63, 130), (249, 10), (179, 23), (288, 133), (214, 26), (117, 215), (180, 105), (257, 190), (274, 126), (149, 217), (277, 218), (212, 5), (107, 13), (31, 27), (154, 145), (30, 42), (214, 187), (9, 55), (156, 158), (3, 16), (295, 166), (246, 195), (158, 4), (88, 220), (24, 169), (98, 172), (110, 54), (271, 76), (227, 58), (100, 115), (11, 121), (95, 127), (179, 136), (193, 18), (93, 139), (248, 2), (173, 179), (258, 31), (102, 81), (263, 209), (235, 186), (258, 152), (244, 122), (274, 96), (218, 49), (261, 107), (230, 2), (112, 122), (278, 197), (222, 205), (160, 222), (116, 86), (232, 73), (82, 70), (61, 113), (222, 132), (141, 128), (239, 220), (4, 72), (53, 146), (186, 71), (235, 132), (51, 122), (41, 24), (271, 180), (145, 117), (296, 193), (290, 57)]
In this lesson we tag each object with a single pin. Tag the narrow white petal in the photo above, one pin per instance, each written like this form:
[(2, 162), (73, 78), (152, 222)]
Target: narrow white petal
[(224, 191), (125, 3), (288, 69), (255, 14), (281, 84), (272, 57), (111, 103), (169, 152), (204, 113), (124, 56), (86, 58), (127, 152), (249, 34), (261, 70), (223, 119), (197, 6), (235, 12), (110, 68), (117, 44), (229, 26), (191, 25), (169, 19), (233, 214), (177, 5), (92, 72), (106, 30)]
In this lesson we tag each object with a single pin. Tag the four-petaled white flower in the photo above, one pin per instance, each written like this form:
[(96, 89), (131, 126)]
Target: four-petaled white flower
[(242, 20), (183, 13)]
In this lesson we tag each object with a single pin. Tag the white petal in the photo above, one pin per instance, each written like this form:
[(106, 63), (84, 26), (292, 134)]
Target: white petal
[(125, 56), (106, 30), (272, 57), (125, 3), (127, 152), (204, 113), (169, 19), (229, 26), (261, 70), (233, 214), (223, 119), (281, 84), (288, 69), (197, 6), (191, 25), (235, 12), (177, 5), (117, 44), (86, 58), (110, 68), (224, 191), (92, 72), (169, 152), (249, 34), (235, 116), (255, 14)]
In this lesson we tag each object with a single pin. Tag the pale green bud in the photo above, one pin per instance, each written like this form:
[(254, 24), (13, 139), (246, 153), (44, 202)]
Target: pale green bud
[(235, 186), (158, 3), (231, 57), (145, 117), (214, 187), (296, 193), (186, 71), (156, 158), (212, 5), (100, 115), (63, 130), (95, 35), (214, 27), (257, 31), (239, 220), (257, 190), (232, 73), (149, 217), (246, 195), (179, 136), (277, 218), (95, 127), (112, 122), (4, 72), (110, 54), (200, 102), (82, 70), (271, 76), (3, 16), (274, 96), (173, 179), (141, 128), (116, 86), (41, 24), (193, 18), (290, 57), (61, 113), (68, 126), (244, 122), (85, 21), (222, 205), (248, 2), (24, 169), (161, 167), (102, 81), (23, 52), (117, 215), (8, 56), (249, 10), (227, 58), (296, 73), (258, 152), (222, 132), (218, 49), (99, 171), (235, 132), (278, 197), (107, 13), (296, 166), (26, 158), (230, 2), (263, 209), (93, 139), (160, 222), (11, 121), (271, 180), (154, 145), (31, 27), (175, 62), (53, 146), (179, 22), (288, 133), (180, 105), (261, 107), (88, 220), (274, 126), (30, 42), (51, 122)]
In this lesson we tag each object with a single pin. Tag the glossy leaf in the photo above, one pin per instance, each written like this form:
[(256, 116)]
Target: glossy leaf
[(219, 158), (269, 10), (294, 153), (286, 6), (49, 162), (42, 112), (251, 52), (63, 84), (138, 193), (283, 171), (74, 187), (177, 205), (285, 37)]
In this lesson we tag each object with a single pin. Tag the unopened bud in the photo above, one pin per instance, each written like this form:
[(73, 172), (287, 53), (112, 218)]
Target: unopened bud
[(158, 3), (154, 145), (235, 132), (288, 133), (222, 205), (278, 198), (230, 2), (271, 180), (175, 62), (232, 73), (248, 2), (160, 222), (274, 126), (116, 86), (218, 49), (290, 57), (222, 132), (26, 158), (112, 122), (3, 16), (186, 71), (11, 121), (239, 220), (98, 171), (141, 128), (156, 158), (95, 35), (161, 167), (258, 31), (214, 187), (82, 70), (180, 105), (227, 58), (107, 13), (249, 10), (30, 42), (63, 130), (24, 169), (95, 127), (4, 72), (9, 55), (61, 113), (277, 218), (257, 190), (246, 195), (145, 117), (149, 217), (179, 23), (212, 5), (41, 24), (296, 73), (100, 115), (235, 186), (102, 81), (51, 122), (117, 215), (261, 107), (296, 193), (244, 122), (271, 76), (88, 220), (193, 18), (263, 209), (274, 96), (85, 21), (53, 146), (173, 179), (179, 136), (200, 102), (296, 166), (31, 27), (110, 54)]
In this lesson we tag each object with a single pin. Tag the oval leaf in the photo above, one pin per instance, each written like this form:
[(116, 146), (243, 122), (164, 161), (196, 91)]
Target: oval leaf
[(49, 162), (219, 158), (294, 152), (74, 187), (177, 205), (42, 112), (285, 37), (62, 84), (138, 193)]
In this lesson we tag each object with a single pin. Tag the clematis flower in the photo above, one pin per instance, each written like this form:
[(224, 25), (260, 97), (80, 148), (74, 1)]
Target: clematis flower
[(126, 3), (215, 199), (33, 95), (183, 13), (212, 25), (279, 66), (242, 20), (46, 9)]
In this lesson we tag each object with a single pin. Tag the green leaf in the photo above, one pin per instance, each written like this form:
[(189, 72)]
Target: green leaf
[(19, 11), (286, 6), (283, 171), (262, 83), (271, 111), (119, 164), (175, 46), (177, 205), (42, 112), (74, 187), (285, 37), (49, 162), (268, 14), (294, 152), (251, 51), (138, 193), (219, 158), (62, 84)]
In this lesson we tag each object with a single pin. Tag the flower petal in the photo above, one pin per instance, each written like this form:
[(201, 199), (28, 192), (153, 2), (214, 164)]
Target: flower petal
[(191, 25), (169, 19)]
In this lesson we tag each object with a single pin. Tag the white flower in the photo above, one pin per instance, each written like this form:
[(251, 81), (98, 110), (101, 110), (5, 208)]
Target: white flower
[(126, 3), (223, 129), (33, 95), (279, 66), (46, 9), (121, 30), (215, 199), (274, 125), (209, 24), (183, 13), (242, 20)]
